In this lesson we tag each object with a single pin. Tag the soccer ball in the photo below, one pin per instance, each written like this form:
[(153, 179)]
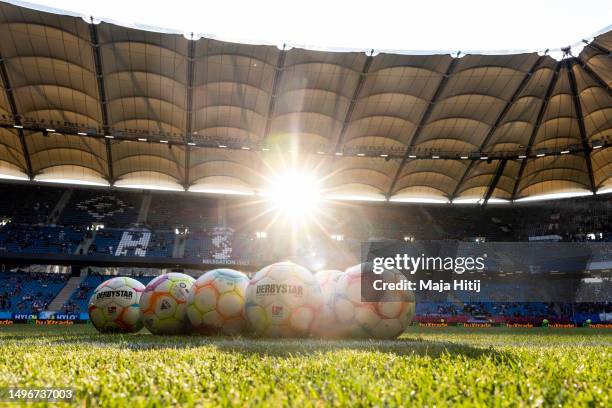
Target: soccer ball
[(327, 281), (216, 302), (114, 306), (282, 300), (326, 324), (381, 320), (164, 304)]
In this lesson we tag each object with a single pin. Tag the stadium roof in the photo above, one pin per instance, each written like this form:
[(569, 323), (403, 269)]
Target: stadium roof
[(104, 104)]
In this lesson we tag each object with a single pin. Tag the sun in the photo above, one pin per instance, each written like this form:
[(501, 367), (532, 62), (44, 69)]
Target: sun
[(294, 194)]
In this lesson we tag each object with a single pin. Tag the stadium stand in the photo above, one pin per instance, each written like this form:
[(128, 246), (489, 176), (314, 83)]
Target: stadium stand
[(169, 211), (509, 312), (119, 242), (27, 204), (160, 244), (111, 208), (106, 242), (39, 239), (26, 292), (198, 245), (579, 219), (219, 244)]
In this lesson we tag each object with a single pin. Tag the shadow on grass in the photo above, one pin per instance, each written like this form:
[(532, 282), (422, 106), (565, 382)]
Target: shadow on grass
[(284, 348), (397, 347)]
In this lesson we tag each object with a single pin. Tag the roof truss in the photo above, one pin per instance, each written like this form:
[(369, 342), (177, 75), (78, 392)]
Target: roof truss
[(498, 173), (189, 112), (17, 119), (586, 148), (498, 122), (95, 46), (534, 132), (422, 123), (349, 112)]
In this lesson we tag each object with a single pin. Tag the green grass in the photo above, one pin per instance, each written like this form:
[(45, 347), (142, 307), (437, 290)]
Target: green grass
[(433, 367)]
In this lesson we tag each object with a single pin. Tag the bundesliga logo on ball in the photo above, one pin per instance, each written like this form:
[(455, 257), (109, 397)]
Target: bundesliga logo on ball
[(114, 306), (283, 300), (164, 304), (216, 302)]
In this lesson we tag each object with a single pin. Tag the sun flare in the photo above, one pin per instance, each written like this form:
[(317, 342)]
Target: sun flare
[(295, 194)]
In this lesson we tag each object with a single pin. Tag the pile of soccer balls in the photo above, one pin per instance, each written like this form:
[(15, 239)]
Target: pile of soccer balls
[(281, 300)]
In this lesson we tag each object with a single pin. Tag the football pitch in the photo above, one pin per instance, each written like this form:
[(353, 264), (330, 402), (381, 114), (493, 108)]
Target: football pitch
[(425, 366)]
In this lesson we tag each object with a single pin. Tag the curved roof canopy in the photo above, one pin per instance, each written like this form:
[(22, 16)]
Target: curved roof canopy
[(110, 105)]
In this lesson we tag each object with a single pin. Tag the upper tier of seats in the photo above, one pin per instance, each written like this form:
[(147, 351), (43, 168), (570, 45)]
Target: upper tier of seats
[(111, 208), (572, 219), (27, 204), (16, 238), (181, 210)]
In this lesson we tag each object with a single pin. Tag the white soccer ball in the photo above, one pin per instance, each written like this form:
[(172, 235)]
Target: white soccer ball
[(381, 320), (327, 281), (114, 306), (216, 302), (163, 304), (282, 300), (326, 324)]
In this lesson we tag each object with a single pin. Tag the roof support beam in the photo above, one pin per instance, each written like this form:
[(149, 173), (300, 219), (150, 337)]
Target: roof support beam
[(95, 46), (467, 171), (534, 131), (189, 118), (422, 123), (586, 148), (498, 173), (599, 47), (16, 118), (594, 75), (498, 121), (278, 72), (349, 113)]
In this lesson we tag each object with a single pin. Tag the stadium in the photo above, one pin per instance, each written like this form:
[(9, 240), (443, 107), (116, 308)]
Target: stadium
[(180, 162)]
